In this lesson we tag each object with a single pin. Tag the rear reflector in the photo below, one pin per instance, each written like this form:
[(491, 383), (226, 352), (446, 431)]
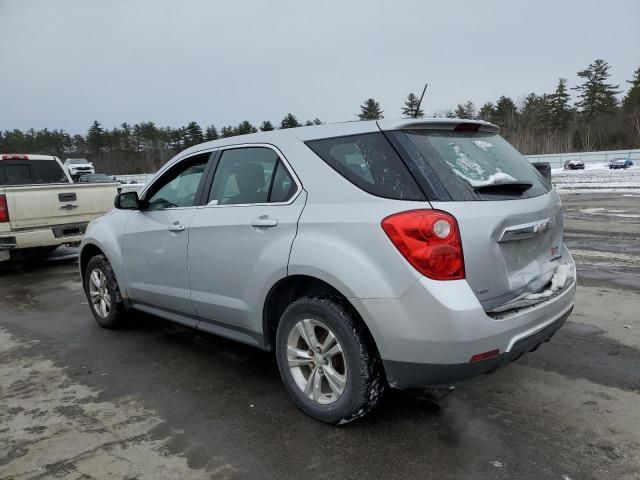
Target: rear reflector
[(4, 209), (467, 127), (484, 356), (15, 157)]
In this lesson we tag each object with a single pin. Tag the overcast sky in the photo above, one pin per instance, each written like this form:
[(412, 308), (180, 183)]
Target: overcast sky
[(65, 63)]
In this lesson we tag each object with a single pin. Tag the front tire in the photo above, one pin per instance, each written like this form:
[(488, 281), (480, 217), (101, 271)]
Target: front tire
[(327, 360), (103, 293)]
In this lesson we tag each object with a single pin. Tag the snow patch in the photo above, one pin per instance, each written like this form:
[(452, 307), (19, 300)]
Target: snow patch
[(498, 177), (609, 212), (481, 144)]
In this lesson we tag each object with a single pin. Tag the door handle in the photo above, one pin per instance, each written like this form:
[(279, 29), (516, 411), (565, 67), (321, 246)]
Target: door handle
[(264, 222), (176, 228)]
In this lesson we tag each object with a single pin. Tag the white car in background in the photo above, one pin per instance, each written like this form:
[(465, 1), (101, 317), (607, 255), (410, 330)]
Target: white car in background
[(78, 166)]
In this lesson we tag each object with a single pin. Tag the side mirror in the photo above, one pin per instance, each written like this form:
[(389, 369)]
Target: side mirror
[(545, 170), (127, 201)]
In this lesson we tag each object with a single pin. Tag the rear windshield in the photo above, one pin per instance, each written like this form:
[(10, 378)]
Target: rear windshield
[(30, 172), (460, 165), (369, 162)]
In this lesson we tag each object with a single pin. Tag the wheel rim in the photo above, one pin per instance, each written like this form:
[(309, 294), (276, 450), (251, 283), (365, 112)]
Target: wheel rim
[(316, 361), (99, 293)]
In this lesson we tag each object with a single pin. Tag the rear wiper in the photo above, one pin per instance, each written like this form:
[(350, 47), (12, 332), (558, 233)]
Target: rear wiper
[(515, 186)]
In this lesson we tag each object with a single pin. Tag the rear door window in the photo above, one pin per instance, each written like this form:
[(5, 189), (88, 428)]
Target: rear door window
[(369, 162), (466, 163), (252, 175)]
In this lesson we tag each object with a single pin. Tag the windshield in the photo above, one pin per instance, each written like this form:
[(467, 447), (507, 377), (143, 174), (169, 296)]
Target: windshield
[(79, 161), (465, 163)]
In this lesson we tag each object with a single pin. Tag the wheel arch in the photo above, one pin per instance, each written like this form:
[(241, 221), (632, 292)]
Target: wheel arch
[(88, 251), (293, 287)]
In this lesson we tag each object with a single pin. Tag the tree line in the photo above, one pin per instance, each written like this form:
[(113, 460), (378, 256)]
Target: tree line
[(548, 122), (535, 124)]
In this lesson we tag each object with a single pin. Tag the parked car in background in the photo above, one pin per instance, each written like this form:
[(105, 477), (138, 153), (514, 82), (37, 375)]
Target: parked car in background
[(340, 247), (41, 208), (96, 178), (574, 164), (78, 166), (620, 163)]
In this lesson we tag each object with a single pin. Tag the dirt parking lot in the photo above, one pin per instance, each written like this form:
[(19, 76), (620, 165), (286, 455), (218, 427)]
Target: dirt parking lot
[(158, 401)]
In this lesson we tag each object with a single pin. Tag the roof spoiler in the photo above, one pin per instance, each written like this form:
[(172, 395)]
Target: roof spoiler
[(450, 124)]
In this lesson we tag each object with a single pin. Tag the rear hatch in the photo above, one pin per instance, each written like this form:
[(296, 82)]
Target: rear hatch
[(510, 218)]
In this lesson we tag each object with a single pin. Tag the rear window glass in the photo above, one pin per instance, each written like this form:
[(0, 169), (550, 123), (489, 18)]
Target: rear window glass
[(465, 162), (369, 162), (30, 172)]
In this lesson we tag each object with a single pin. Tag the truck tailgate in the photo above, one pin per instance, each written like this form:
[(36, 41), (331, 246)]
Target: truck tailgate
[(36, 206)]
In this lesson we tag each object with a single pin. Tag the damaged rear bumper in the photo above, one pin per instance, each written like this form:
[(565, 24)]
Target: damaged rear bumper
[(429, 336), (403, 375)]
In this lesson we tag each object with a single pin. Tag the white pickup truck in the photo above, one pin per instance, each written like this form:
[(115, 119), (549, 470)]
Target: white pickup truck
[(41, 208)]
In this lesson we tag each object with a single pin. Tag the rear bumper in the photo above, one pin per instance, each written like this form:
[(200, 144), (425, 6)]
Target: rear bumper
[(404, 375), (428, 336), (49, 237)]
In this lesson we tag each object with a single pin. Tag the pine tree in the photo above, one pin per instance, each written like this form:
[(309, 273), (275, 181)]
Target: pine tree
[(560, 108), (193, 134), (266, 126), (410, 108), (487, 112), (370, 110), (466, 110), (245, 128), (596, 96), (95, 138), (631, 106), (228, 131), (290, 121), (505, 112), (631, 101), (211, 133), (535, 111)]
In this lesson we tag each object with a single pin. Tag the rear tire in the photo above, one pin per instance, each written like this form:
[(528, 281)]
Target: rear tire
[(103, 293), (327, 360)]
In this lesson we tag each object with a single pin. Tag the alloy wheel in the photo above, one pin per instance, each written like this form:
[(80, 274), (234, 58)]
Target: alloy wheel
[(316, 361), (99, 293)]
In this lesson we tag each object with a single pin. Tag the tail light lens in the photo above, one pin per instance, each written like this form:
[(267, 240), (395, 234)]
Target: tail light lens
[(429, 240), (4, 209)]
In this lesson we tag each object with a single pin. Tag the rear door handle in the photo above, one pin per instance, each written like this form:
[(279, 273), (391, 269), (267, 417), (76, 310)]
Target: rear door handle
[(176, 228), (264, 222)]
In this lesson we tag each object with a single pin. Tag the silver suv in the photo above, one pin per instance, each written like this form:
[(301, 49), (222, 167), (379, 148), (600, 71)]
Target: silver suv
[(410, 253)]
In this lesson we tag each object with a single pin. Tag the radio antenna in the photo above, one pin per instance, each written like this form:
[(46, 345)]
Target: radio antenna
[(415, 113)]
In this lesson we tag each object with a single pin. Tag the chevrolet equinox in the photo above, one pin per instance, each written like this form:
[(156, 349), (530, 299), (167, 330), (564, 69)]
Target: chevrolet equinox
[(367, 255)]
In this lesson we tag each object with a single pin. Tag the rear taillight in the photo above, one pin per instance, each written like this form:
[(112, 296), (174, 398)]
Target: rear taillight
[(15, 157), (4, 209), (429, 240)]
